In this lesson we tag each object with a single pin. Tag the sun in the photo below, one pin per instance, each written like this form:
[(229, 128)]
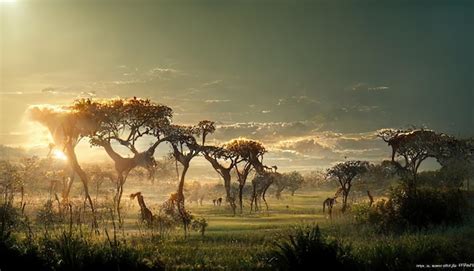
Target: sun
[(57, 154)]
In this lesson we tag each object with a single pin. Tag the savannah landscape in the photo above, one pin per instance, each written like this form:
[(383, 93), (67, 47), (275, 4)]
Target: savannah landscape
[(124, 149)]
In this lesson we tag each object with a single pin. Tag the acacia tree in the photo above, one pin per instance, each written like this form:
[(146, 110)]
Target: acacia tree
[(223, 161), (184, 148), (344, 173), (67, 126), (248, 155), (291, 181), (126, 121), (456, 157), (413, 146)]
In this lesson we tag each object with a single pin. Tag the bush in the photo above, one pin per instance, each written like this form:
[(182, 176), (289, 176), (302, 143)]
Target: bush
[(427, 207), (46, 215), (308, 247), (72, 251), (10, 220), (15, 257), (199, 225), (404, 253)]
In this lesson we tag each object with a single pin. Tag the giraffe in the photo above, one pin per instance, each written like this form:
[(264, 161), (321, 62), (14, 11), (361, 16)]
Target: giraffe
[(331, 201), (147, 215), (264, 178), (124, 165)]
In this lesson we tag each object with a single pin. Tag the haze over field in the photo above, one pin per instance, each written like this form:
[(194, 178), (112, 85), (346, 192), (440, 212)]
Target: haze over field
[(313, 81)]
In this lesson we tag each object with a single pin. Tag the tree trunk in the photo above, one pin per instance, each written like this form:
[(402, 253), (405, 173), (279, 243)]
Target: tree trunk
[(227, 178), (180, 200), (83, 176), (181, 181), (118, 197), (67, 190), (241, 188), (254, 198)]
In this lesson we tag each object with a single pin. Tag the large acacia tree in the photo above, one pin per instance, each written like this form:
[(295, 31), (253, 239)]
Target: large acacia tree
[(67, 126), (248, 156), (185, 147), (223, 162), (344, 173), (413, 146), (125, 122)]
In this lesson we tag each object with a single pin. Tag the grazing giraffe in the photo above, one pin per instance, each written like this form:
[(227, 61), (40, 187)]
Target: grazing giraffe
[(329, 202), (147, 215)]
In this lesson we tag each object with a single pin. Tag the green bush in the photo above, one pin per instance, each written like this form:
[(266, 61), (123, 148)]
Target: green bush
[(404, 253), (424, 208), (308, 247), (46, 215), (73, 251), (10, 220)]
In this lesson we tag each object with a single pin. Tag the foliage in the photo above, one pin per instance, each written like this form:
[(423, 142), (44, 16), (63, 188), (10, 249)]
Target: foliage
[(308, 247), (10, 220), (291, 181), (46, 215), (199, 225), (428, 207), (344, 173), (405, 252)]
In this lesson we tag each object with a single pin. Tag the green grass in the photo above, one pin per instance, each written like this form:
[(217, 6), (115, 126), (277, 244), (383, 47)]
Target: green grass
[(241, 242)]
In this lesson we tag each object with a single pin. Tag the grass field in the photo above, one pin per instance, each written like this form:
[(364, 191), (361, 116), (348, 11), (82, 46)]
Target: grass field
[(242, 242)]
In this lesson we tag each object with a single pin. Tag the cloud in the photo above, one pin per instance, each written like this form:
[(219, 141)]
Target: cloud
[(269, 131), (12, 93), (361, 86), (216, 101), (303, 99), (303, 143), (211, 83), (160, 72), (378, 88), (49, 90), (307, 146)]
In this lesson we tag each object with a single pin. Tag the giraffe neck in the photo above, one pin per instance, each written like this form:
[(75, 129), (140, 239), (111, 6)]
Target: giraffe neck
[(141, 202)]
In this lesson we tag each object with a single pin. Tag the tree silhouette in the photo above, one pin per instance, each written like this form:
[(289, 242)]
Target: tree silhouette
[(344, 173), (248, 155), (413, 146), (125, 121), (223, 161), (183, 140), (67, 127), (291, 181)]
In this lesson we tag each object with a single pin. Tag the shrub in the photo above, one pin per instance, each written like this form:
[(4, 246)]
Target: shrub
[(404, 253), (46, 215), (424, 208), (10, 220), (73, 251), (199, 225), (308, 247)]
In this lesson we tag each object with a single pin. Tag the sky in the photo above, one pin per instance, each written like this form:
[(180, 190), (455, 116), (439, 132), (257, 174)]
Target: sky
[(313, 80)]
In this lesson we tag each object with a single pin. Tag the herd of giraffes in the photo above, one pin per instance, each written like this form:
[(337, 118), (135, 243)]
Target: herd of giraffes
[(331, 201), (148, 217)]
